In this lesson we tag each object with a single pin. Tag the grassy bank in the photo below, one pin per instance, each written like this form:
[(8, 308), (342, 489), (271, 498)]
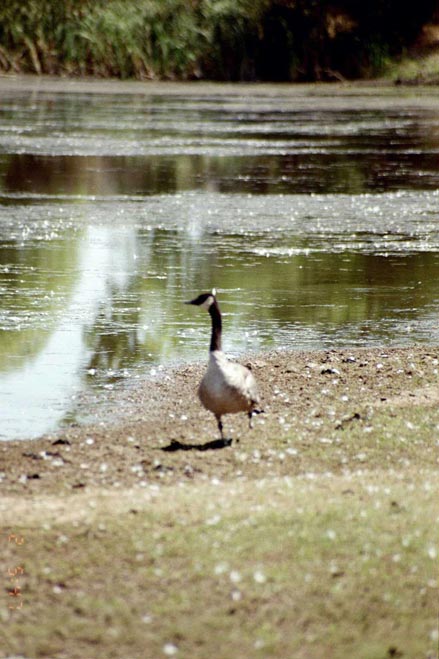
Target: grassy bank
[(293, 40), (313, 536), (323, 567), (414, 69)]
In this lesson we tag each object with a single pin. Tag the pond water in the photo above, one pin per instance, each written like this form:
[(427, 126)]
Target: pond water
[(314, 211)]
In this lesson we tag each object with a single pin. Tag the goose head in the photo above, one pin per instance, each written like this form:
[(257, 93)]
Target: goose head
[(205, 300)]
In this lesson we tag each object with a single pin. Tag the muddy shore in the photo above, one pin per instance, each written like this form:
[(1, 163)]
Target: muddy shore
[(311, 400)]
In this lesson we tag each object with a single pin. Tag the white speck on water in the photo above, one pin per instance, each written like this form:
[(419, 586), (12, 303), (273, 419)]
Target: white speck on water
[(236, 595), (331, 534), (89, 441)]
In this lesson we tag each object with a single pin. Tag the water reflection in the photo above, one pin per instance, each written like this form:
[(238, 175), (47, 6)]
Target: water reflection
[(44, 368), (257, 174), (102, 300), (114, 212), (297, 143)]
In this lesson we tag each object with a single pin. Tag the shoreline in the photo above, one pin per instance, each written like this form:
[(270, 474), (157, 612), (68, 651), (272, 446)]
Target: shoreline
[(126, 450), (20, 82)]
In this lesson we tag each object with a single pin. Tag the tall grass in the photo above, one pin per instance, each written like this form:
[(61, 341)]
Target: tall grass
[(141, 39), (222, 39)]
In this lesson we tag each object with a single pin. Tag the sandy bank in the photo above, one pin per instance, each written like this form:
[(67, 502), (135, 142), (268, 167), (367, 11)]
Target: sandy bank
[(313, 402)]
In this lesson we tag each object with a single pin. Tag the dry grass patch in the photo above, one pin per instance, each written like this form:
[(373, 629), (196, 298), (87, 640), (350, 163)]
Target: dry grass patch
[(314, 536), (332, 566)]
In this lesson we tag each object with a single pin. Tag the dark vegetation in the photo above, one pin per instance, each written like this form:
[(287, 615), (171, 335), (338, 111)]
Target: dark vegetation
[(276, 40)]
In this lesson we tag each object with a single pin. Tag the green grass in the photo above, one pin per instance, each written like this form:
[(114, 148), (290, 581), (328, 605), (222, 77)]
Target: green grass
[(298, 567), (418, 70), (328, 551)]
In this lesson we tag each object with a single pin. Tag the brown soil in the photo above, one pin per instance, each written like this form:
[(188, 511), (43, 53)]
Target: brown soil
[(163, 434)]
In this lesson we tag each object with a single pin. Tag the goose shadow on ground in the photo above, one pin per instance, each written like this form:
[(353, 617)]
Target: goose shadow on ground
[(214, 445)]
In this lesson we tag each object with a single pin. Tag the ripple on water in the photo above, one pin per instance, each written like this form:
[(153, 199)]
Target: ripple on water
[(316, 219)]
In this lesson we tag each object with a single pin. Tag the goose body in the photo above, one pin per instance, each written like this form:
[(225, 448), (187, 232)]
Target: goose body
[(226, 387)]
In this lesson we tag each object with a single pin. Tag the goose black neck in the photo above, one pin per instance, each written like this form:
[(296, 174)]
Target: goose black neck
[(215, 339)]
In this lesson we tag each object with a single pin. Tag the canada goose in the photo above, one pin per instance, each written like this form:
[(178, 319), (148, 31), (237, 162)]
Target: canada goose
[(226, 387)]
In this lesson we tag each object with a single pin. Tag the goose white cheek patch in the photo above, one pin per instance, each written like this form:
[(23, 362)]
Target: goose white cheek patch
[(207, 302)]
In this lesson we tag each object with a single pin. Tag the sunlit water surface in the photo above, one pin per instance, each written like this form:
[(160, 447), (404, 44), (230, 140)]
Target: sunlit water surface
[(314, 214)]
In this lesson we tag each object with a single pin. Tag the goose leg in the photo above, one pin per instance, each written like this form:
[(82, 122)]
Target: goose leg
[(220, 426)]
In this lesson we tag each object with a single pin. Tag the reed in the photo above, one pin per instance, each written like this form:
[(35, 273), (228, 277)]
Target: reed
[(143, 39), (216, 39)]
